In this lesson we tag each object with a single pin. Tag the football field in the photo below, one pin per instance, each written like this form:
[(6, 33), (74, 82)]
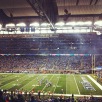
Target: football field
[(79, 84)]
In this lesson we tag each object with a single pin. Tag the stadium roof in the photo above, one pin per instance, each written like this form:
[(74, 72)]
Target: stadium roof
[(51, 11), (74, 9)]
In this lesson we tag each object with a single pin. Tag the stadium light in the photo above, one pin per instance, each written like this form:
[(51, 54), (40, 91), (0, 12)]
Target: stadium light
[(79, 23), (76, 30), (45, 24), (98, 23), (98, 32), (10, 25), (83, 30), (71, 23), (35, 24), (21, 24), (60, 24), (43, 31), (71, 30), (89, 23)]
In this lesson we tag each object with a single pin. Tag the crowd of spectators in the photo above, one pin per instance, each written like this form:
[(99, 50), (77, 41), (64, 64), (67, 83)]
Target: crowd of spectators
[(63, 43), (26, 63), (30, 97)]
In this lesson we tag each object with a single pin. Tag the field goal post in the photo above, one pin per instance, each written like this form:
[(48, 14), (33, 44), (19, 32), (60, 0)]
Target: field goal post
[(93, 63)]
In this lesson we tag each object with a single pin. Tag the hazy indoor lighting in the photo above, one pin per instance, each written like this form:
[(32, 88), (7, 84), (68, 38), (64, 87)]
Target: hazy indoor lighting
[(21, 24), (36, 24)]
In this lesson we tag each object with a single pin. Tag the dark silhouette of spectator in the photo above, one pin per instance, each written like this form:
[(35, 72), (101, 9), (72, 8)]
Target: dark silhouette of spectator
[(20, 98), (1, 97), (32, 99), (39, 94)]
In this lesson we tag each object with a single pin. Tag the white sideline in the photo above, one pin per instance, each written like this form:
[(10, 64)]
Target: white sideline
[(56, 84), (76, 95), (95, 82)]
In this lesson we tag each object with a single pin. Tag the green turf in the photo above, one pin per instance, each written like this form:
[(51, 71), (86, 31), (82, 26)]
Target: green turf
[(61, 83)]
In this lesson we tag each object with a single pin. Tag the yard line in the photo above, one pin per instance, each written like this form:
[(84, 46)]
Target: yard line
[(56, 85), (12, 81), (7, 78), (93, 80), (45, 84), (30, 81), (22, 81), (76, 84), (34, 86)]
